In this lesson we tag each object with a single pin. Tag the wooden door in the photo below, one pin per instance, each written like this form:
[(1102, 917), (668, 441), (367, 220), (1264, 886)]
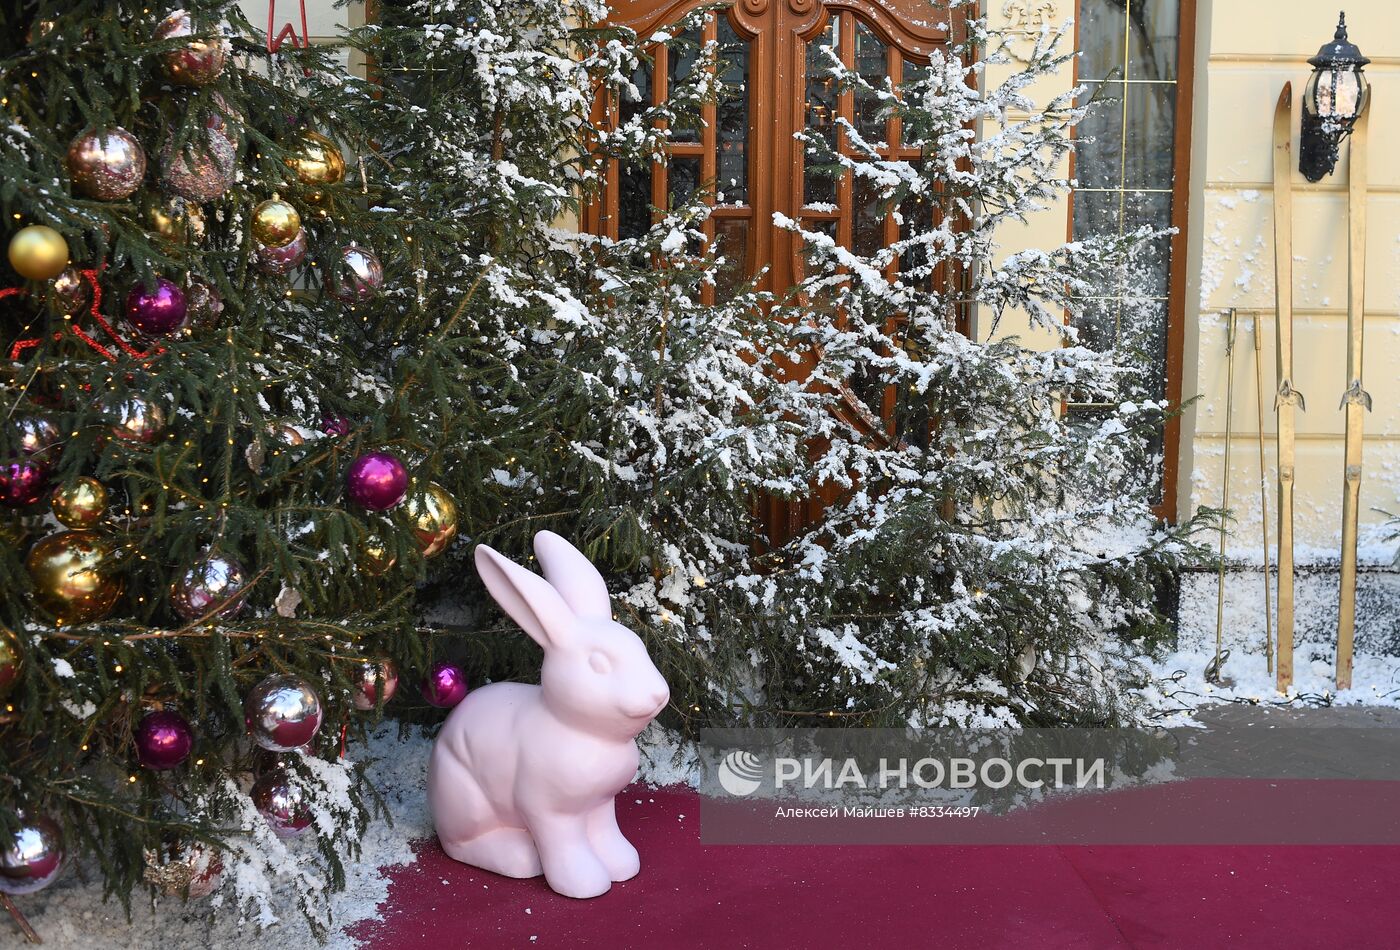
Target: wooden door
[(772, 54)]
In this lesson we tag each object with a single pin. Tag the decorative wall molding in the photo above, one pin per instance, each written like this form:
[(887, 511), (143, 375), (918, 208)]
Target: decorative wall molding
[(1024, 21)]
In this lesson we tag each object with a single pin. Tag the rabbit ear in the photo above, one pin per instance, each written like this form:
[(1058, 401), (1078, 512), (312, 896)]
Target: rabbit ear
[(525, 596), (573, 576)]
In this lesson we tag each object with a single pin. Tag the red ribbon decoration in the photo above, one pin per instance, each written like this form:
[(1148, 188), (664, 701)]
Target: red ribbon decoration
[(94, 311), (275, 43)]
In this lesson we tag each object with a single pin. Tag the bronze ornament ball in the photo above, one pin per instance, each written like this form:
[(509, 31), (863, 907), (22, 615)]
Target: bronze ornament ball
[(106, 164), (275, 223), (204, 305), (76, 576), (36, 435), (70, 291), (38, 252), (197, 64), (371, 677), (201, 171), (81, 504), (135, 419)]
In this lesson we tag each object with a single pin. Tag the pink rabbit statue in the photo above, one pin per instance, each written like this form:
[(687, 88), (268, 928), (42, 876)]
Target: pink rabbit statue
[(522, 778)]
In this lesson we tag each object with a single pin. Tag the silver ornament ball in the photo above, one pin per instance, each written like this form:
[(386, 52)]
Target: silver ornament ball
[(370, 678), (210, 581), (32, 858), (357, 275), (279, 798), (283, 712)]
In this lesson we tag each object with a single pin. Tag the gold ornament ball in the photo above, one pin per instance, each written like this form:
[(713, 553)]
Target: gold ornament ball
[(317, 160), (75, 576), (375, 557), (275, 223), (38, 252), (176, 219), (432, 514), (11, 660), (81, 504)]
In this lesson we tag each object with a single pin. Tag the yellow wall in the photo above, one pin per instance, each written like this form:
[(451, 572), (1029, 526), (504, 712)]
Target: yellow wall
[(1247, 49)]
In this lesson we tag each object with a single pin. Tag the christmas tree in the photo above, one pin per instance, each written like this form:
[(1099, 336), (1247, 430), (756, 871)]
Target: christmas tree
[(988, 553), (217, 478)]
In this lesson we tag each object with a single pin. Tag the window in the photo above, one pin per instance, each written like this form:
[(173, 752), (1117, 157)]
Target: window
[(746, 147), (1136, 56), (714, 153)]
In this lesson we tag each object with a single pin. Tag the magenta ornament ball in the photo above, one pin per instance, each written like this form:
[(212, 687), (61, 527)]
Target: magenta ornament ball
[(377, 481), (445, 685), (163, 740), (32, 857), (22, 482), (335, 426), (279, 798), (282, 712), (157, 311)]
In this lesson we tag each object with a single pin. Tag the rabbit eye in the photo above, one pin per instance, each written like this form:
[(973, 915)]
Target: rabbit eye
[(600, 662)]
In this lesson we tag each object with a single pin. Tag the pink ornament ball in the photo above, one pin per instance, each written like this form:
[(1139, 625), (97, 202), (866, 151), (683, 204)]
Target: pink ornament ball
[(376, 481), (445, 685), (280, 261), (356, 276), (163, 740), (159, 311), (337, 426)]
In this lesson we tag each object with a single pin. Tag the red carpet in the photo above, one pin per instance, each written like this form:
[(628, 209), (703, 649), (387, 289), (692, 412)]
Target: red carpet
[(955, 897)]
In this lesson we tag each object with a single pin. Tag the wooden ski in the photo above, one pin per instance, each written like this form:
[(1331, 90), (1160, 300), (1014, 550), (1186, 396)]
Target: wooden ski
[(1288, 399), (1263, 490), (1356, 401)]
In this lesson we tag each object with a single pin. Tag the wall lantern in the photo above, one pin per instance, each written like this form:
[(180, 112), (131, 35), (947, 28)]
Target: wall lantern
[(1335, 96)]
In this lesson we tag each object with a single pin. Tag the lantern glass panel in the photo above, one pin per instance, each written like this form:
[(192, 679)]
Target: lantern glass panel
[(1339, 94)]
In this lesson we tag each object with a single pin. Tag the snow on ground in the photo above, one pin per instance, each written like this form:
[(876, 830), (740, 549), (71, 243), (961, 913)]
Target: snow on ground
[(1182, 686)]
